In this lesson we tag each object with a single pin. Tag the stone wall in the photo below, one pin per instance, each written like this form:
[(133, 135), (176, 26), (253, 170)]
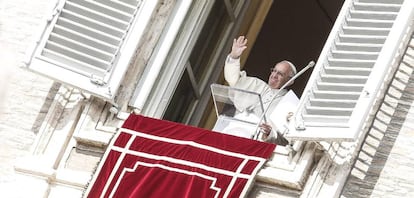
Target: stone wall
[(24, 96), (385, 164)]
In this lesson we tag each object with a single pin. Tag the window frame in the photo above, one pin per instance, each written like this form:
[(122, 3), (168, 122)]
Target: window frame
[(171, 65), (146, 99)]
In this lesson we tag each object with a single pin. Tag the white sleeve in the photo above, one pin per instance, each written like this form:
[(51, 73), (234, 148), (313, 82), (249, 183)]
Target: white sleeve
[(232, 70)]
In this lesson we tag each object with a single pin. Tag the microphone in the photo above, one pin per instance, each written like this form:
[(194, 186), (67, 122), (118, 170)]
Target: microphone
[(310, 64)]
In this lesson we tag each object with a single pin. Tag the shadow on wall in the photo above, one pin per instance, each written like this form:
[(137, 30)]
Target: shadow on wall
[(7, 63), (41, 116), (381, 138)]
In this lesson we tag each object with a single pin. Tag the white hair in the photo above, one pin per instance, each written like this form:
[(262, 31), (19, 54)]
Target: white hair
[(292, 67)]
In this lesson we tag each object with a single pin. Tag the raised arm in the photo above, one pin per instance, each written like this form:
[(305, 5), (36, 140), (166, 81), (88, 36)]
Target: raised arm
[(239, 45), (232, 66)]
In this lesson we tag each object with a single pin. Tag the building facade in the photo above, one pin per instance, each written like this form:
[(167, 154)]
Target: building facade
[(106, 59)]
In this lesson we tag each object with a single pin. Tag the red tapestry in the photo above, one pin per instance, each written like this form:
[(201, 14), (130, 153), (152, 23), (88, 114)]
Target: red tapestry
[(156, 158)]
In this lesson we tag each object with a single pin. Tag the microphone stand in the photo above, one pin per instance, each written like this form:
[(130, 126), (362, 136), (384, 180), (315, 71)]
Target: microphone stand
[(310, 64)]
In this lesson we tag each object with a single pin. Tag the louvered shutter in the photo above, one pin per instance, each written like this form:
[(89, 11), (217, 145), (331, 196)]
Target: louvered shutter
[(89, 44), (359, 52)]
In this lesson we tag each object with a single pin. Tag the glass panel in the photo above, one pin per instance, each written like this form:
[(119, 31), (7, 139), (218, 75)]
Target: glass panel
[(208, 41), (182, 100), (230, 101), (233, 3), (201, 60)]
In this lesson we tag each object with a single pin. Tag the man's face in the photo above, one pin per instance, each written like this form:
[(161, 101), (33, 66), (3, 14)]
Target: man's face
[(279, 75)]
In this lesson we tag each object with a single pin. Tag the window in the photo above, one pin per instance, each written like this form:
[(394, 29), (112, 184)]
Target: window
[(192, 62), (81, 43), (199, 66)]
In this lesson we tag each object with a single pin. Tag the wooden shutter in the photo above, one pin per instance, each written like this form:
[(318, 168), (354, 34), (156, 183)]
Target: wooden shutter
[(364, 45), (89, 44)]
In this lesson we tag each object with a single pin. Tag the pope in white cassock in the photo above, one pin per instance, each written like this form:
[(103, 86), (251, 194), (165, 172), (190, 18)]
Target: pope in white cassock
[(280, 74)]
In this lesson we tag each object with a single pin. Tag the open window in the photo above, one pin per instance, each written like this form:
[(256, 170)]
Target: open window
[(185, 64), (82, 41)]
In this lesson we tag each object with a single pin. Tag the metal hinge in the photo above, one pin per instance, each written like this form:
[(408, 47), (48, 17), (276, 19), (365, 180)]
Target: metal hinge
[(97, 81), (299, 123)]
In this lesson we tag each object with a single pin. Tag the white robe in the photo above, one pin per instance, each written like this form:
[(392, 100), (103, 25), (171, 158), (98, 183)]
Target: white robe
[(239, 79)]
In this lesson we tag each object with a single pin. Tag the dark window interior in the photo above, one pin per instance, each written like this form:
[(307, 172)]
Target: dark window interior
[(188, 92), (295, 30)]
